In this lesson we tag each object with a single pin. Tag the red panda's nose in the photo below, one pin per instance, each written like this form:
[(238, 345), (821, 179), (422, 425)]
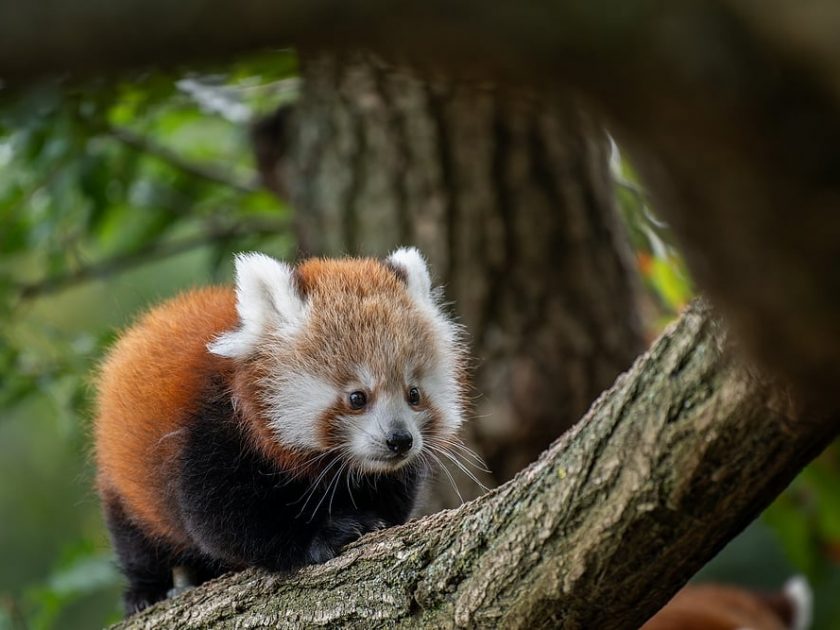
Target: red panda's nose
[(399, 441)]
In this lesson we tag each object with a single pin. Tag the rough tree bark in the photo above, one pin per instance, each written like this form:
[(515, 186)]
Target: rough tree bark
[(511, 199), (668, 465)]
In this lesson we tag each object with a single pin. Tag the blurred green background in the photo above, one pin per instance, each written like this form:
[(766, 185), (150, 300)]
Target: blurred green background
[(115, 195)]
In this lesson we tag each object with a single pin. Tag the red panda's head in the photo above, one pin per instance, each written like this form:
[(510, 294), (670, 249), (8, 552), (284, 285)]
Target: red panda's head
[(350, 356)]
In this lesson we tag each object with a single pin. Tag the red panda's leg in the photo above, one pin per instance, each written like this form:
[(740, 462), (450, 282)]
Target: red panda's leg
[(244, 511), (146, 565)]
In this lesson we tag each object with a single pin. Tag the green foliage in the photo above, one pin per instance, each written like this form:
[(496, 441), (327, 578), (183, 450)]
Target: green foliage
[(112, 196), (807, 517), (658, 261), (80, 570)]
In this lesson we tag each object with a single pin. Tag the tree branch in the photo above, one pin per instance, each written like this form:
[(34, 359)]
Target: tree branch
[(174, 159), (559, 40), (666, 467), (153, 251)]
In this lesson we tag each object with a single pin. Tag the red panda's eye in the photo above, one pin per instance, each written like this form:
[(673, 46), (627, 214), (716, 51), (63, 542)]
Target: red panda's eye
[(357, 400), (413, 396)]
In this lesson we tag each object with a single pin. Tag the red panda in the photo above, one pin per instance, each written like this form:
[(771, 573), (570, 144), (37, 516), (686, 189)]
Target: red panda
[(271, 425), (719, 607)]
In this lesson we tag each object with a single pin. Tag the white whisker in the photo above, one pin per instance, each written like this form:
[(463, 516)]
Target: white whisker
[(349, 489), (332, 497), (460, 466), (313, 487), (477, 461), (326, 492), (297, 472), (449, 475)]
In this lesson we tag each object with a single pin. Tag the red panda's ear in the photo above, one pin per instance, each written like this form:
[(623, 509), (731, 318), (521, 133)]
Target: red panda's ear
[(409, 265), (266, 295)]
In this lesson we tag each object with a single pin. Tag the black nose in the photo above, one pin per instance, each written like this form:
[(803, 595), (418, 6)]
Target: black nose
[(399, 441)]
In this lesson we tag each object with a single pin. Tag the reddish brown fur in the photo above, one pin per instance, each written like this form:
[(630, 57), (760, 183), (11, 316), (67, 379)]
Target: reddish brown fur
[(360, 314), (147, 387), (152, 380), (714, 607), (329, 431), (362, 298)]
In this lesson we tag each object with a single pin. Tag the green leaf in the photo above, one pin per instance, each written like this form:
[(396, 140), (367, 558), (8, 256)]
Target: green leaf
[(786, 518)]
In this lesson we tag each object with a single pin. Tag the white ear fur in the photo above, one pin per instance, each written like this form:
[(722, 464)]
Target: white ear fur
[(801, 597), (417, 278), (265, 294)]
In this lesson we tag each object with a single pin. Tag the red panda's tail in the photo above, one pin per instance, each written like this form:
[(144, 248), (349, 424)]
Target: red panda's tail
[(724, 607), (798, 593), (793, 604)]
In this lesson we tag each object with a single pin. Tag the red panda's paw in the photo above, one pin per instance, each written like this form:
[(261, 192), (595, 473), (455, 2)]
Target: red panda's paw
[(135, 600), (340, 531)]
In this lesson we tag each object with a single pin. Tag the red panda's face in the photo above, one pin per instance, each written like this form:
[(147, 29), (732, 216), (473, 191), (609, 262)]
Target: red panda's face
[(352, 356), (380, 423)]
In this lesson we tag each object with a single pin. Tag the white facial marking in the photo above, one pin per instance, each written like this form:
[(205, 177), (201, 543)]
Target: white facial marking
[(440, 384), (296, 402), (265, 296), (369, 431), (442, 390), (367, 381)]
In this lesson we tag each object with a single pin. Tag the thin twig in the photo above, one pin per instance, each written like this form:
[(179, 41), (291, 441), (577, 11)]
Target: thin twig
[(154, 251), (213, 174)]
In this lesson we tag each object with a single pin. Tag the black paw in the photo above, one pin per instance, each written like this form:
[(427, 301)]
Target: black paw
[(136, 600), (340, 531)]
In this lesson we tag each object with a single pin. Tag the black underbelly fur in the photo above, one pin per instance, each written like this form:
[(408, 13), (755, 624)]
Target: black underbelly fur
[(240, 510)]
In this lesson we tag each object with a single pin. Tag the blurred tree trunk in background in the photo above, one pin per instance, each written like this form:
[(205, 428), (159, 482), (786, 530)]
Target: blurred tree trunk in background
[(509, 197)]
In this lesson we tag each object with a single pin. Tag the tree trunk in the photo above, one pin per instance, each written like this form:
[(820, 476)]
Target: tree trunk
[(509, 197), (732, 104), (684, 451)]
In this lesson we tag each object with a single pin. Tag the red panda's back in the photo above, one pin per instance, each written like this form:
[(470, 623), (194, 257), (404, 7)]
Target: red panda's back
[(149, 383)]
